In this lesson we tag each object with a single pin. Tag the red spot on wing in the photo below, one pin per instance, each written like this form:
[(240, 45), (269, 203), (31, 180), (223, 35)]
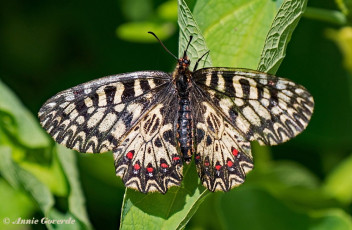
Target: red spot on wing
[(234, 152), (229, 163), (164, 165), (137, 167), (218, 167), (197, 157), (130, 154), (206, 163), (176, 158), (150, 169)]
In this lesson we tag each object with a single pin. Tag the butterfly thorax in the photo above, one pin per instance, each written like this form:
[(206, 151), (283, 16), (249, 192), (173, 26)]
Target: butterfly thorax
[(181, 78)]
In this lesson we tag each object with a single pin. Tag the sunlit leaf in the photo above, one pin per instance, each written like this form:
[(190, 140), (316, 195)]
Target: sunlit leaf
[(235, 30), (279, 35), (189, 27)]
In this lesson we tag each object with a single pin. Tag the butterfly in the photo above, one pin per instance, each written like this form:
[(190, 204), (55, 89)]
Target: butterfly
[(154, 121)]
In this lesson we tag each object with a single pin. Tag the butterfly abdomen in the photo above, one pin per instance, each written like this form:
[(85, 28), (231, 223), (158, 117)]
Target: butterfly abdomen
[(184, 121), (184, 125)]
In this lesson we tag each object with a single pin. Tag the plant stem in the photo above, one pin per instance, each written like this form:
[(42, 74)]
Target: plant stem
[(332, 16)]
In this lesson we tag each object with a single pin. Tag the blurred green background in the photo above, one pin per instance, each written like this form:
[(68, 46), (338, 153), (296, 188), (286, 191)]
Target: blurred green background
[(49, 46)]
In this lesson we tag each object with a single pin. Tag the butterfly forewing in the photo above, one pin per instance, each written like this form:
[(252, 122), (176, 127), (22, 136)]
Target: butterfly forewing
[(95, 116), (261, 107)]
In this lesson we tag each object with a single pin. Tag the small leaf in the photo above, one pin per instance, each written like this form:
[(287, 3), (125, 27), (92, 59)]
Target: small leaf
[(279, 35), (189, 27)]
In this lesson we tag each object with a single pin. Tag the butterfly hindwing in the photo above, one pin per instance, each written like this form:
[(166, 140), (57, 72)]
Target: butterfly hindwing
[(147, 158), (222, 154), (93, 117), (263, 107), (235, 106)]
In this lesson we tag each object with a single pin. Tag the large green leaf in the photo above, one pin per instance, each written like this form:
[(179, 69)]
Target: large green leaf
[(235, 30)]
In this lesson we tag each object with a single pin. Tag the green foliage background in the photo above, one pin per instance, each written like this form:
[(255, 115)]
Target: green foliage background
[(49, 46)]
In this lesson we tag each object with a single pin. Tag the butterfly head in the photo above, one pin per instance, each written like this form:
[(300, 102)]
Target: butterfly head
[(184, 62)]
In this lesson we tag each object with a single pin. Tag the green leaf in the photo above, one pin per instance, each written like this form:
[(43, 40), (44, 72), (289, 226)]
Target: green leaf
[(235, 30), (76, 201), (279, 35), (18, 121), (189, 27), (170, 211), (339, 183)]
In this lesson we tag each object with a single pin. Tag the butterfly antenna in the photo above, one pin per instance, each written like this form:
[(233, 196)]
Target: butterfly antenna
[(161, 43), (196, 65), (190, 39)]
